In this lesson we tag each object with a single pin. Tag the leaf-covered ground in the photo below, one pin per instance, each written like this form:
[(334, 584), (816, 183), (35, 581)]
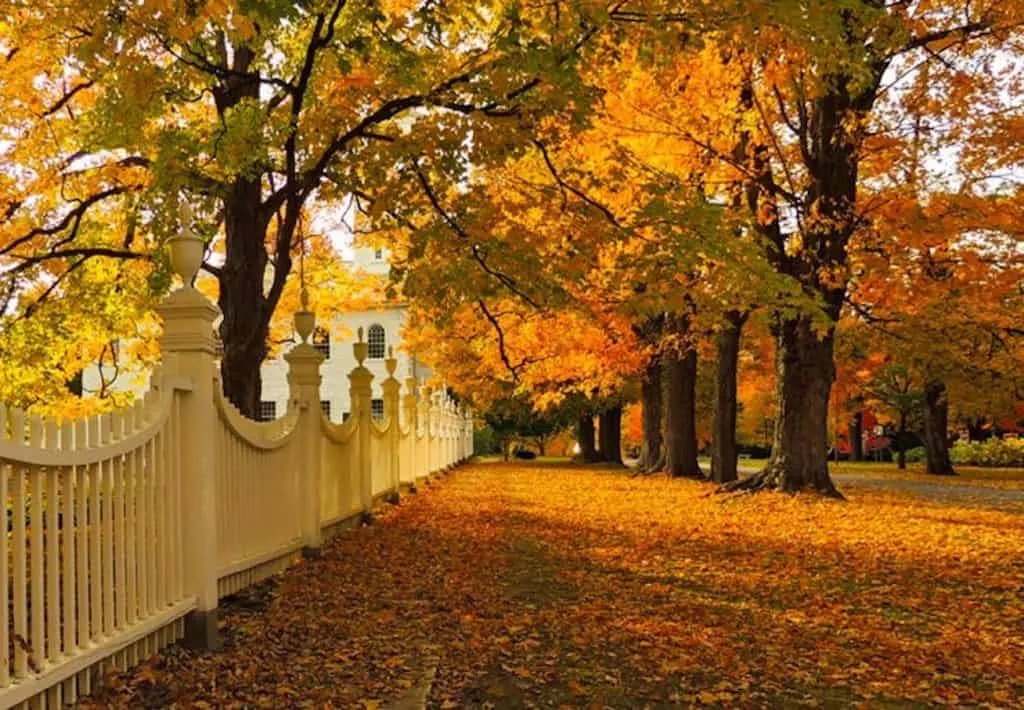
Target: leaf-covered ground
[(514, 586)]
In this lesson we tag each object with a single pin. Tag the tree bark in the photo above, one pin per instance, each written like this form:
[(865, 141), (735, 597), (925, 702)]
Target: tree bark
[(681, 414), (805, 371), (245, 301), (610, 424), (651, 456), (901, 454), (857, 437), (723, 424), (585, 438), (936, 429)]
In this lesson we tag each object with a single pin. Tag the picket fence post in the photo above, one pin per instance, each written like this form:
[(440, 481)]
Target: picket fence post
[(449, 433), (190, 350), (360, 392), (429, 428), (304, 379), (446, 415), (409, 405), (390, 388)]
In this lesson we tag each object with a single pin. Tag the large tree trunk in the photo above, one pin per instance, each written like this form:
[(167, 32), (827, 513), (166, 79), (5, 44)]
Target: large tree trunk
[(585, 438), (681, 414), (936, 429), (901, 437), (723, 425), (246, 324), (805, 371), (857, 437), (651, 455), (245, 302), (610, 425)]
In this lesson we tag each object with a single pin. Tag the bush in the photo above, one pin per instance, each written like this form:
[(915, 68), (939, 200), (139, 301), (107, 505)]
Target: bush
[(485, 441), (916, 455), (1001, 453)]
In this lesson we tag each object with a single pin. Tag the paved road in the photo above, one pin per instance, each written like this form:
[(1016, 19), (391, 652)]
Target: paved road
[(955, 492)]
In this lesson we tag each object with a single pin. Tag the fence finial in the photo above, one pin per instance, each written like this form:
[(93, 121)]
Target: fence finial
[(186, 248), (305, 319), (360, 348)]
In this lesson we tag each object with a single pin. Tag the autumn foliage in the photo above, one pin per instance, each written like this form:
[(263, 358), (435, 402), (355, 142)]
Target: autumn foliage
[(509, 586)]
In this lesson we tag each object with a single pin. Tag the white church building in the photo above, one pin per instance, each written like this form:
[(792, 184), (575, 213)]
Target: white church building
[(382, 329)]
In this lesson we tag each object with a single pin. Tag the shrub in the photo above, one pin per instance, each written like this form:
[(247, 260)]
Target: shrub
[(915, 455), (485, 441), (994, 452)]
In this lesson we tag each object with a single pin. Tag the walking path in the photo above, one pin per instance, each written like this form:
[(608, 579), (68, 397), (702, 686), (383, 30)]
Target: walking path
[(520, 586)]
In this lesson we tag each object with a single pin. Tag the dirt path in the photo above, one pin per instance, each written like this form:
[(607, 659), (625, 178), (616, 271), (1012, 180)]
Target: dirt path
[(511, 586)]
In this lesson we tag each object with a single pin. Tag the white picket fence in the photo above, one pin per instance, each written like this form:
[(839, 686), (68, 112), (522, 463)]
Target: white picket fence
[(124, 530)]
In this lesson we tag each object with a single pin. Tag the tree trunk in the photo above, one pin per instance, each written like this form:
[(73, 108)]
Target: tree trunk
[(936, 428), (610, 424), (245, 302), (723, 424), (901, 434), (681, 414), (857, 437), (585, 438), (246, 323), (651, 455), (976, 430), (805, 371)]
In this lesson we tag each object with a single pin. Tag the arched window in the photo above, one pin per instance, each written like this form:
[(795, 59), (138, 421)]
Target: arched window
[(376, 342), (322, 341)]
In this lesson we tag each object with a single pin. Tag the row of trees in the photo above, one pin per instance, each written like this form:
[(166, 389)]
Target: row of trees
[(848, 180), (583, 198)]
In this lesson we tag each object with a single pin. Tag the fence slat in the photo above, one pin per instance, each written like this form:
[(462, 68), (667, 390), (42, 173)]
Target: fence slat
[(67, 534), (107, 532), (82, 524), (118, 512), (130, 532), (52, 543), (5, 584)]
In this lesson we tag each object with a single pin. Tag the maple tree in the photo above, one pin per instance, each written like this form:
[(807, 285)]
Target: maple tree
[(74, 322), (600, 195), (249, 112), (809, 134), (45, 346)]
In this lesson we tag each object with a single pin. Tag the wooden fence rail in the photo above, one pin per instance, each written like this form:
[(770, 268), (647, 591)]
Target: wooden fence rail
[(124, 530)]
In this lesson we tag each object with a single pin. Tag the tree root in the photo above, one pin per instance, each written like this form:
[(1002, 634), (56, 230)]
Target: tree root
[(771, 478)]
